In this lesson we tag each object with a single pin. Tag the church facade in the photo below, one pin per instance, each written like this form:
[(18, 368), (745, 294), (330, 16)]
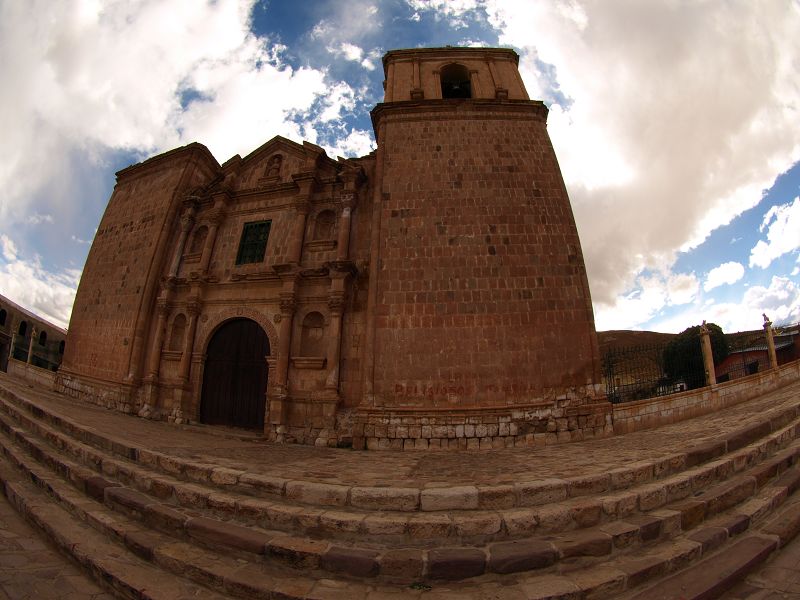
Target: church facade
[(432, 294)]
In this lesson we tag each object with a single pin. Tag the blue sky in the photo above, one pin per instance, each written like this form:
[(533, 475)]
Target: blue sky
[(675, 125)]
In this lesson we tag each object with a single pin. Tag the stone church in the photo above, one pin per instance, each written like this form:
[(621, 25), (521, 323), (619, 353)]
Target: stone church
[(432, 294)]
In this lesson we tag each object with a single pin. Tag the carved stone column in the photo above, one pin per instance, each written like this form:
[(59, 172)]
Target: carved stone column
[(221, 201), (475, 84), (306, 182), (162, 309), (343, 241), (769, 334), (336, 308), (193, 309), (288, 303), (187, 220), (208, 247)]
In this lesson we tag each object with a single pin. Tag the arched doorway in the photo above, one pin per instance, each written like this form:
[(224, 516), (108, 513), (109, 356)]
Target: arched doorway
[(235, 376)]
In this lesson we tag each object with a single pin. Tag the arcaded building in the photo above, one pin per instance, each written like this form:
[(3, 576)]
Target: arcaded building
[(432, 294)]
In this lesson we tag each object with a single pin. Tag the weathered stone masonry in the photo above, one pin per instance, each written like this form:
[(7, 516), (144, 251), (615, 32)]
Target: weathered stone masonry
[(430, 295)]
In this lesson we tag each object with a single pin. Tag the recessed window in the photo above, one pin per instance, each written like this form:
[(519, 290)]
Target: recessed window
[(253, 244), (3, 316), (42, 338), (23, 329)]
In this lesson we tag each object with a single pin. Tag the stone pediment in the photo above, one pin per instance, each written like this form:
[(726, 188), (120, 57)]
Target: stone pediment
[(275, 163)]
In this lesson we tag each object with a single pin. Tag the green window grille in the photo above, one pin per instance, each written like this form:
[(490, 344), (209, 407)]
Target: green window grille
[(253, 244)]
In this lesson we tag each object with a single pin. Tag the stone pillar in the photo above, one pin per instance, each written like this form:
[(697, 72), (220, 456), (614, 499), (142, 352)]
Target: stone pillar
[(187, 220), (306, 184), (417, 93), (162, 308), (277, 406), (769, 334), (343, 241), (221, 201), (193, 309), (30, 345), (11, 349), (208, 247), (474, 83), (336, 308), (708, 355)]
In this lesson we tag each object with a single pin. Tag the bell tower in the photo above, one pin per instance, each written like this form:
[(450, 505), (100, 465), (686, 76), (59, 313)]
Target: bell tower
[(479, 304)]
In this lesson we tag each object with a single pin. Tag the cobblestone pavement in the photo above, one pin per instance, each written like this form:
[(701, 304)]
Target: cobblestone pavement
[(30, 569), (406, 469)]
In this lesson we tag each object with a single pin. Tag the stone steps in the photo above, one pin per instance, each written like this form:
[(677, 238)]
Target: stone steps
[(229, 575), (553, 552), (467, 525), (521, 494)]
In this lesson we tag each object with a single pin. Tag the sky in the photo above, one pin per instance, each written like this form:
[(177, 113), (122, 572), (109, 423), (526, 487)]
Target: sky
[(676, 125)]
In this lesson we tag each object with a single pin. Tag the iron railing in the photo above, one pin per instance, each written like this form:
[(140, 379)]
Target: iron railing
[(638, 372)]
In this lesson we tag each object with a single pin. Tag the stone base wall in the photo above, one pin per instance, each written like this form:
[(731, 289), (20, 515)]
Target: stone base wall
[(481, 429), (94, 391), (43, 377), (655, 412)]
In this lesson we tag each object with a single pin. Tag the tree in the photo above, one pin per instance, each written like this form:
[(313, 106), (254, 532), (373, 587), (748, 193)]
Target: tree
[(683, 355)]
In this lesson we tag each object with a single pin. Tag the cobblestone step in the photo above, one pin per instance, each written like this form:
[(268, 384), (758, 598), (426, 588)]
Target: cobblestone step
[(520, 494), (467, 526), (128, 575), (412, 564), (233, 577)]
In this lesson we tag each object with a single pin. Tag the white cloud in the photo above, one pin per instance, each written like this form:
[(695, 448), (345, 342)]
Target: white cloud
[(36, 219), (726, 273), (454, 11), (682, 288), (780, 301), (652, 294), (357, 143), (783, 234), (669, 119), (29, 284), (9, 248), (90, 78)]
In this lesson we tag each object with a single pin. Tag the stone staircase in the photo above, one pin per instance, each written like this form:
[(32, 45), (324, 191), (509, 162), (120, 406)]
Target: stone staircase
[(166, 524)]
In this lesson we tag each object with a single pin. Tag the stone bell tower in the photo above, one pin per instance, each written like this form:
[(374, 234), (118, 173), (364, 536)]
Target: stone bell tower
[(479, 316)]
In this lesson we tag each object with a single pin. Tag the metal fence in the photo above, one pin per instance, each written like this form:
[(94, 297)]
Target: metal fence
[(640, 372)]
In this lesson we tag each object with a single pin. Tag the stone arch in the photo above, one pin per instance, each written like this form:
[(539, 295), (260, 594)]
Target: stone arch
[(3, 315), (217, 319), (42, 338), (23, 328), (455, 81)]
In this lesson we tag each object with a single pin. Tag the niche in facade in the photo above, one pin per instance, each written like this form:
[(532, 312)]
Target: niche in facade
[(198, 240), (312, 342), (177, 334)]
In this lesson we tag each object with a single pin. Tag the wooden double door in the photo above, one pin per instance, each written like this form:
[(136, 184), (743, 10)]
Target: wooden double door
[(235, 376)]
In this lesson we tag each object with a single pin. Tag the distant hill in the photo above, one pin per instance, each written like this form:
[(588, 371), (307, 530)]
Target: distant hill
[(623, 338)]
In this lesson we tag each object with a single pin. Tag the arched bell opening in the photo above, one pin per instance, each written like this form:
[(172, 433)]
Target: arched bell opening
[(455, 81)]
